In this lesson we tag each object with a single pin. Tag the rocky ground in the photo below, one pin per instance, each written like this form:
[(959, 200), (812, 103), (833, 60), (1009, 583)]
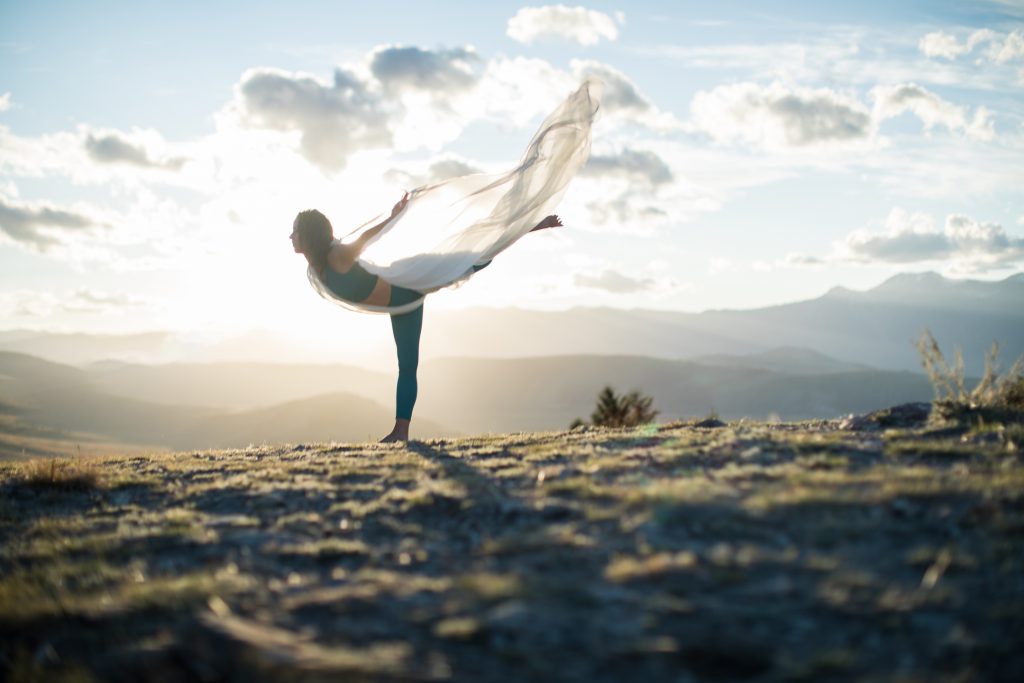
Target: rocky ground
[(877, 549)]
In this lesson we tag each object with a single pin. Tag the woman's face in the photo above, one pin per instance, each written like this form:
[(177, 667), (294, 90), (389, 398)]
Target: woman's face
[(296, 241)]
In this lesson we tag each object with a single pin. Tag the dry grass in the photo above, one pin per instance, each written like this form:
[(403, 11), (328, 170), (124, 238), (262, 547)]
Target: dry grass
[(993, 390), (60, 473), (746, 552)]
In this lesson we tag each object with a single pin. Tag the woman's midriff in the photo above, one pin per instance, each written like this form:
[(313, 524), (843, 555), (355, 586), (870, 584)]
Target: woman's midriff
[(355, 284), (348, 285)]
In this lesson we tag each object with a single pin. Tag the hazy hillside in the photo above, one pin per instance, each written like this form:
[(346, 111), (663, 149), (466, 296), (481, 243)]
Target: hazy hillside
[(474, 394), (80, 348), (329, 417), (547, 393), (51, 408), (236, 385), (875, 328), (200, 406), (786, 359)]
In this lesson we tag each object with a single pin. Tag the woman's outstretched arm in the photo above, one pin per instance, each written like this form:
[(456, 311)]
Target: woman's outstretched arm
[(360, 242)]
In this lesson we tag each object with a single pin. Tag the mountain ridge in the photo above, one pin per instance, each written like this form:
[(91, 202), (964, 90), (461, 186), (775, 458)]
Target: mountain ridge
[(874, 327)]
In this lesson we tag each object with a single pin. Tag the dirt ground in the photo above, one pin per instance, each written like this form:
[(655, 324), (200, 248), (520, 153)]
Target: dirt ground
[(845, 551)]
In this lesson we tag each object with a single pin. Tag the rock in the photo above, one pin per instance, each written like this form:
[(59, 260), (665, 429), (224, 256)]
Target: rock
[(905, 416), (710, 423)]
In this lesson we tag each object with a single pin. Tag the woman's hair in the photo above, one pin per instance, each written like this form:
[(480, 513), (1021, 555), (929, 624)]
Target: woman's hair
[(315, 236)]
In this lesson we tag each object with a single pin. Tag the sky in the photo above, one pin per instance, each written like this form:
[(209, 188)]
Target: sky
[(154, 155)]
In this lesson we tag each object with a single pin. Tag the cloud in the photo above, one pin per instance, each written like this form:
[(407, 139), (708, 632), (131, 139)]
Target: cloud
[(578, 24), (85, 300), (5, 101), (35, 224), (112, 147), (997, 48), (636, 165), (35, 304), (912, 237), (893, 100), (615, 282), (798, 260), (441, 169), (780, 117), (628, 210), (620, 93), (621, 100), (334, 119), (410, 98), (418, 69), (401, 98)]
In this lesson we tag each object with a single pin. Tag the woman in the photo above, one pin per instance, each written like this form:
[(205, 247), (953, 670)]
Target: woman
[(438, 236), (337, 266)]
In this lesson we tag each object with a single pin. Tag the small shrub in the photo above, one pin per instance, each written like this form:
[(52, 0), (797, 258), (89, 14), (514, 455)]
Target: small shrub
[(613, 410), (1015, 395), (993, 391), (59, 473)]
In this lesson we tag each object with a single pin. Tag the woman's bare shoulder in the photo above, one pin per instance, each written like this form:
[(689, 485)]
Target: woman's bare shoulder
[(341, 257)]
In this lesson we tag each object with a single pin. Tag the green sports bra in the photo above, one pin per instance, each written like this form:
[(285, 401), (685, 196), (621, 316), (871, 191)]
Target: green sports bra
[(355, 285)]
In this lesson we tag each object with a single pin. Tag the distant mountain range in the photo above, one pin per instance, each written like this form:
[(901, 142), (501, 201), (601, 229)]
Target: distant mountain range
[(185, 406), (508, 370), (46, 406), (874, 328)]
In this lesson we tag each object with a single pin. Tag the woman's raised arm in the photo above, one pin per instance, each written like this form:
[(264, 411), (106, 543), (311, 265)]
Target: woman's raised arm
[(361, 241)]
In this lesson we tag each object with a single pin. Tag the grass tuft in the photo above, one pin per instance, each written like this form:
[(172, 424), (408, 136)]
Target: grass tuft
[(60, 474), (952, 396)]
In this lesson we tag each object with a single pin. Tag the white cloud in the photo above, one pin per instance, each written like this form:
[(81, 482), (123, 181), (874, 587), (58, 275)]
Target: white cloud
[(578, 24), (413, 68), (778, 117), (621, 99), (45, 305), (800, 260), (858, 56), (893, 100), (41, 226), (112, 147), (635, 191), (997, 48), (89, 156), (613, 281), (941, 44), (85, 300), (1010, 48), (5, 101), (632, 164), (627, 212), (443, 168), (333, 119), (400, 99), (408, 98), (913, 237)]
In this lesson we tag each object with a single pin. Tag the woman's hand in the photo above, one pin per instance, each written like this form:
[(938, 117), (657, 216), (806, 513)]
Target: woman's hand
[(360, 242), (400, 205)]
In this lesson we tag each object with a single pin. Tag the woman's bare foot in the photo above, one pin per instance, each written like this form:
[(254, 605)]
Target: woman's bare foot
[(399, 433), (551, 221)]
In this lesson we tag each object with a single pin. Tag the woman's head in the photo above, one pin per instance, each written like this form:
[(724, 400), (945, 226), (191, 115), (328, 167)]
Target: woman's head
[(312, 235)]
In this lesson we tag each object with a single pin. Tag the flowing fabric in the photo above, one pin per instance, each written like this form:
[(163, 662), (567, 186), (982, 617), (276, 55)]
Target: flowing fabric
[(447, 228)]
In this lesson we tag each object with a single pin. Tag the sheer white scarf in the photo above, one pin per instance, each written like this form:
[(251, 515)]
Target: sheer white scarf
[(449, 227)]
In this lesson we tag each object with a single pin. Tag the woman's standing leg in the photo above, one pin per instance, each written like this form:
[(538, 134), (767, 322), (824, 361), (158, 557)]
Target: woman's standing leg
[(406, 328)]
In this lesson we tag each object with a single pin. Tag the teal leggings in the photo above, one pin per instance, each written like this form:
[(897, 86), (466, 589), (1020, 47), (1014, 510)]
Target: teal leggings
[(406, 328)]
